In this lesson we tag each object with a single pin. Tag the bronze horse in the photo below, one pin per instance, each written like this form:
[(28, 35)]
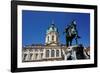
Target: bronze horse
[(71, 33)]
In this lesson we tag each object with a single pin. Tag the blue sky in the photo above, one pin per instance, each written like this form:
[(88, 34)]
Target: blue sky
[(35, 24)]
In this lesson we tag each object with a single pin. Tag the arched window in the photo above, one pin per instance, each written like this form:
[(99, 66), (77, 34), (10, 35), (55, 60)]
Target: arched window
[(47, 53), (57, 53), (30, 56), (52, 53), (41, 55), (24, 57), (52, 37), (36, 56), (48, 38)]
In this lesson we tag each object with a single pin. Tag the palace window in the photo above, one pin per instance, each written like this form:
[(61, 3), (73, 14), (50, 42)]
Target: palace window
[(41, 55), (24, 56), (57, 53), (53, 38), (31, 56), (36, 56), (52, 53), (47, 53), (48, 38)]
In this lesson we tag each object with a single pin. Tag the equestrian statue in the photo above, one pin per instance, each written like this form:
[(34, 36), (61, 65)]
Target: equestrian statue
[(71, 33)]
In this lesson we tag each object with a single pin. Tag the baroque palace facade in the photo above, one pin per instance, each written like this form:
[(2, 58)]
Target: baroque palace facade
[(50, 51)]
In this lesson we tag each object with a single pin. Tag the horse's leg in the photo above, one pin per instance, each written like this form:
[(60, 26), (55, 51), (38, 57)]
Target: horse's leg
[(70, 41), (76, 41), (67, 41)]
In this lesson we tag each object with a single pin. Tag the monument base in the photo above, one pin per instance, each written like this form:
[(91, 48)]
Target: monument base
[(75, 52)]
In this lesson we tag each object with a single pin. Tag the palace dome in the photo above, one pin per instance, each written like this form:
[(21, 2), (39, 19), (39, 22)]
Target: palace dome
[(52, 28)]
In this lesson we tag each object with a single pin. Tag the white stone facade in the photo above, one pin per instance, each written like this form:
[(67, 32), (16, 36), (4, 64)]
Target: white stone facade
[(42, 53)]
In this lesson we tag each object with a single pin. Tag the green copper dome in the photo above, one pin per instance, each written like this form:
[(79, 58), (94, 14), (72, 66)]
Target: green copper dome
[(52, 28)]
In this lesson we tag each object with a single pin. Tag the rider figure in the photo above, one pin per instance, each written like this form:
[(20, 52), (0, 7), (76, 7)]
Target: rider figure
[(71, 33)]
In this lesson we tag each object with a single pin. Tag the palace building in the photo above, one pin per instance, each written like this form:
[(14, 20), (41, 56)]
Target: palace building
[(50, 51)]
